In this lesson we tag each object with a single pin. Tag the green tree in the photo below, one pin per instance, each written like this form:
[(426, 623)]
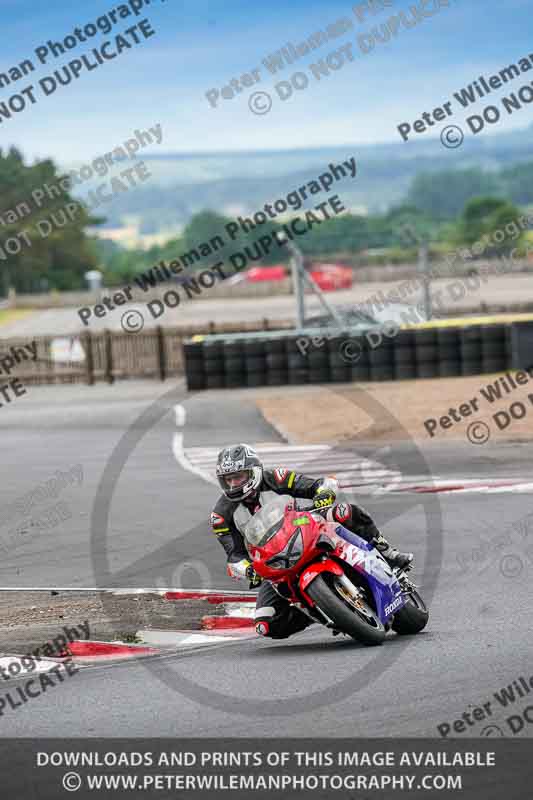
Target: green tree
[(505, 219), (477, 213), (205, 225), (409, 226), (484, 216), (49, 225), (202, 227)]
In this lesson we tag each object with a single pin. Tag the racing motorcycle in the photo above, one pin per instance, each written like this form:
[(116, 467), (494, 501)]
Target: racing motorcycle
[(331, 574)]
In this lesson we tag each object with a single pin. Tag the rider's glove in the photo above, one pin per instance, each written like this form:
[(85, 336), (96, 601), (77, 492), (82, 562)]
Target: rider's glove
[(255, 579), (239, 569), (324, 498)]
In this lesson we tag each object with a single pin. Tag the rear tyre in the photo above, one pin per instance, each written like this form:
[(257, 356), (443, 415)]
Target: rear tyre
[(412, 617), (361, 624)]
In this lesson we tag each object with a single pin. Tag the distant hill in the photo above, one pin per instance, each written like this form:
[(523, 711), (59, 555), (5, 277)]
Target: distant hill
[(234, 183)]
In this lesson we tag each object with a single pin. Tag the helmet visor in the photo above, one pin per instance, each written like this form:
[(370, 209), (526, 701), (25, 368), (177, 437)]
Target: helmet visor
[(235, 480)]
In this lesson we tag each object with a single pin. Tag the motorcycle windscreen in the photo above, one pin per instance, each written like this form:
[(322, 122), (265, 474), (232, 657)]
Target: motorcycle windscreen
[(263, 525)]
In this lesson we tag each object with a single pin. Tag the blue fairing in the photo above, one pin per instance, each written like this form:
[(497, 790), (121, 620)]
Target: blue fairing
[(379, 576), (353, 538)]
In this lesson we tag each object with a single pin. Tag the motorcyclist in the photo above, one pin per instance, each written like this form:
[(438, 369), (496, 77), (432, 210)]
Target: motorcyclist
[(246, 487)]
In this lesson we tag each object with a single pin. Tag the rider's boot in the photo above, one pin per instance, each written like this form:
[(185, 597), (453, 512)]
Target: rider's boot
[(391, 554)]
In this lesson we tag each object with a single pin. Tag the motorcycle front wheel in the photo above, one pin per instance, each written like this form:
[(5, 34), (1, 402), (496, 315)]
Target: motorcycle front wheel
[(349, 613)]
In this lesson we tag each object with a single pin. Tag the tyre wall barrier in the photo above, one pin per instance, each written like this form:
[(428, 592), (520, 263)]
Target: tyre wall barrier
[(522, 345), (280, 358)]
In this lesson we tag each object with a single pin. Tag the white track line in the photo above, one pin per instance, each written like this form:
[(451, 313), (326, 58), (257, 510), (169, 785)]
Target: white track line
[(179, 451), (181, 415)]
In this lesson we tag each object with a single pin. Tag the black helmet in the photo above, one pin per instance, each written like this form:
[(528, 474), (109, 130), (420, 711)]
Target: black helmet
[(239, 471)]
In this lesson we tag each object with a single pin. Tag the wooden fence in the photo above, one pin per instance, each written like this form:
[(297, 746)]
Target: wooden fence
[(109, 355)]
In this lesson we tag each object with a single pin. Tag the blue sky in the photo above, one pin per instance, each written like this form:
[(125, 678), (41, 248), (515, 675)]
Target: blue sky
[(202, 44)]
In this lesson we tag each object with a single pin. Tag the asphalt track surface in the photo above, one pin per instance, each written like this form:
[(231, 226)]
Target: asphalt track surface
[(478, 639)]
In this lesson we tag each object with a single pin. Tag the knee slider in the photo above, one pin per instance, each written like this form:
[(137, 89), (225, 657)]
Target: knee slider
[(262, 628)]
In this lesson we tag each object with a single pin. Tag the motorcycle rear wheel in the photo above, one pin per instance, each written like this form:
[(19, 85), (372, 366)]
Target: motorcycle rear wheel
[(412, 617), (356, 618)]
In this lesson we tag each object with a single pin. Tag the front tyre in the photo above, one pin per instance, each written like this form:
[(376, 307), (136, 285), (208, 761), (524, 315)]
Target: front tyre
[(412, 617), (350, 614)]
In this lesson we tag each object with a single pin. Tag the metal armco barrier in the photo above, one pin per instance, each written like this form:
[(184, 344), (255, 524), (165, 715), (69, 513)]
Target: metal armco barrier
[(280, 358)]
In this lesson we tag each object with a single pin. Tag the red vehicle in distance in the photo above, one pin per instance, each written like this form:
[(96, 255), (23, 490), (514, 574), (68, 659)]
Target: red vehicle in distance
[(331, 277), (276, 272), (328, 277)]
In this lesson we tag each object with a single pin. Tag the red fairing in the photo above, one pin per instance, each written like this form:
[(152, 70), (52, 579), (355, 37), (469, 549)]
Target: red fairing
[(310, 528), (311, 572), (296, 553)]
